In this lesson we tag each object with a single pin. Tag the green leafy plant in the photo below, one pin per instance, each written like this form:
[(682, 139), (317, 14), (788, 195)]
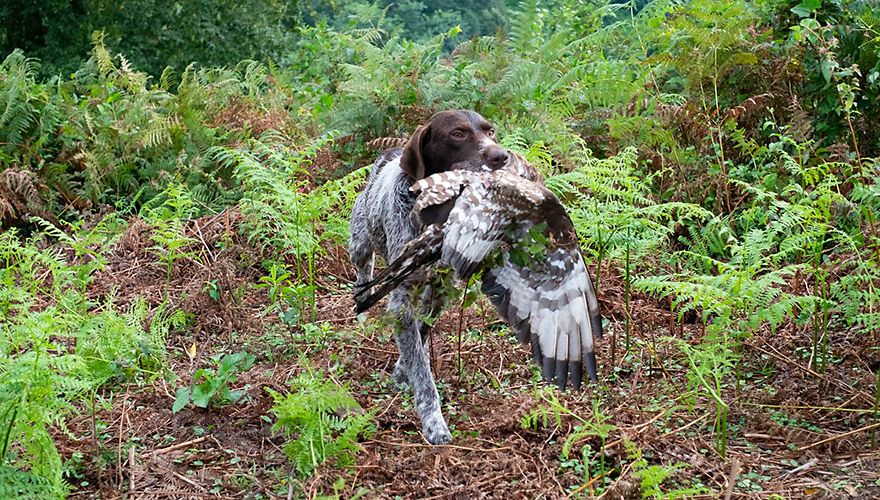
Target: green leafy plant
[(718, 160), (168, 220), (282, 212), (652, 476), (287, 296), (324, 420), (551, 410), (54, 358), (213, 387)]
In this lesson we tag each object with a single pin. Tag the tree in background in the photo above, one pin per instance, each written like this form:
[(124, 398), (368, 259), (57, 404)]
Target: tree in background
[(156, 33), (49, 30), (152, 34), (416, 20)]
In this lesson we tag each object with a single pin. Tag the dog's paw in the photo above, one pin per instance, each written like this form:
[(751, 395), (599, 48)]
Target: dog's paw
[(436, 431)]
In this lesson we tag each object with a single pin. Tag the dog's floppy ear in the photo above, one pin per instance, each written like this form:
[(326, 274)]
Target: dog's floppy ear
[(412, 162)]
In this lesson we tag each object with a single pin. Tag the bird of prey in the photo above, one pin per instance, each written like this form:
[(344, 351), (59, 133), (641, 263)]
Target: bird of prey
[(508, 225)]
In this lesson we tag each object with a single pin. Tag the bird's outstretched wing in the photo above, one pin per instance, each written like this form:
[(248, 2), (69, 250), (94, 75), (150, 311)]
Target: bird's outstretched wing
[(519, 234), (473, 221), (460, 226), (550, 303)]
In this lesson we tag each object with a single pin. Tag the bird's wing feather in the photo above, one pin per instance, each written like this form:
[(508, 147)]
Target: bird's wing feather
[(550, 298), (552, 303), (416, 256), (517, 164), (438, 188), (475, 228), (547, 298)]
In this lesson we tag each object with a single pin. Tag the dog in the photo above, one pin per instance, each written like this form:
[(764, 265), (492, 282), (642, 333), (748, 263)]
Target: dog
[(381, 226)]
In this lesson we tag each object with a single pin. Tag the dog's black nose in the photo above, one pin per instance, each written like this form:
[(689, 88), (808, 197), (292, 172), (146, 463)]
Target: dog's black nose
[(495, 157)]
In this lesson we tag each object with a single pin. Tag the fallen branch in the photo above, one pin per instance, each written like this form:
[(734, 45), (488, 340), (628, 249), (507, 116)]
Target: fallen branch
[(177, 446), (132, 471), (731, 478), (841, 436), (436, 446), (187, 480), (811, 462)]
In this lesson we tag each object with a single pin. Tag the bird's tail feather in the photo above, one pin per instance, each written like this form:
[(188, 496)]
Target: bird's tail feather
[(418, 253)]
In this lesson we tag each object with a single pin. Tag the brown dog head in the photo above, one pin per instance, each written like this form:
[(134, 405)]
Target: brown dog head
[(459, 139)]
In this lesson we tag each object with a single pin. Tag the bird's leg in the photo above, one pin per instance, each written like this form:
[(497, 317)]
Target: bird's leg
[(416, 364)]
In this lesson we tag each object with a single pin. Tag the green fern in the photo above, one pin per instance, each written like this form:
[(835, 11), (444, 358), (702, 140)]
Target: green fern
[(605, 197), (168, 214), (550, 409), (278, 211), (19, 484), (54, 356), (18, 101), (651, 477), (325, 420)]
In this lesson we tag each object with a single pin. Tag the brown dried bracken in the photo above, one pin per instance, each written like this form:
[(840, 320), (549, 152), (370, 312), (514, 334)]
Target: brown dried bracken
[(136, 237), (748, 107), (240, 115), (19, 197), (800, 125)]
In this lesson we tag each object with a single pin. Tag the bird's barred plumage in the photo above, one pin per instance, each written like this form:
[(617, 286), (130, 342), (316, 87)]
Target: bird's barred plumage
[(517, 164), (478, 220), (383, 143)]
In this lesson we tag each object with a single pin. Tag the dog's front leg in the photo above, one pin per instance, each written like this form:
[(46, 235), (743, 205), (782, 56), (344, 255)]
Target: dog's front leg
[(360, 247), (416, 364)]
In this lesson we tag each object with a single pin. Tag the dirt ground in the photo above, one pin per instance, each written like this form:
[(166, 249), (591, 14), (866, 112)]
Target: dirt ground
[(794, 433)]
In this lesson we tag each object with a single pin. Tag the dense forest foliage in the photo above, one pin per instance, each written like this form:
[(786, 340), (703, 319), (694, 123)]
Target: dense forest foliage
[(175, 186)]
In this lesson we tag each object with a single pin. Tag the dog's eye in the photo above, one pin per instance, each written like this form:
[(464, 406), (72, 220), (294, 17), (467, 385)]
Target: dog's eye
[(491, 133), (458, 134)]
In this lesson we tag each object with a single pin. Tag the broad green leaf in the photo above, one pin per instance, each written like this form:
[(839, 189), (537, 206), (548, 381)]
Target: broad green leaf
[(806, 8), (201, 396), (234, 396), (181, 399), (826, 67)]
